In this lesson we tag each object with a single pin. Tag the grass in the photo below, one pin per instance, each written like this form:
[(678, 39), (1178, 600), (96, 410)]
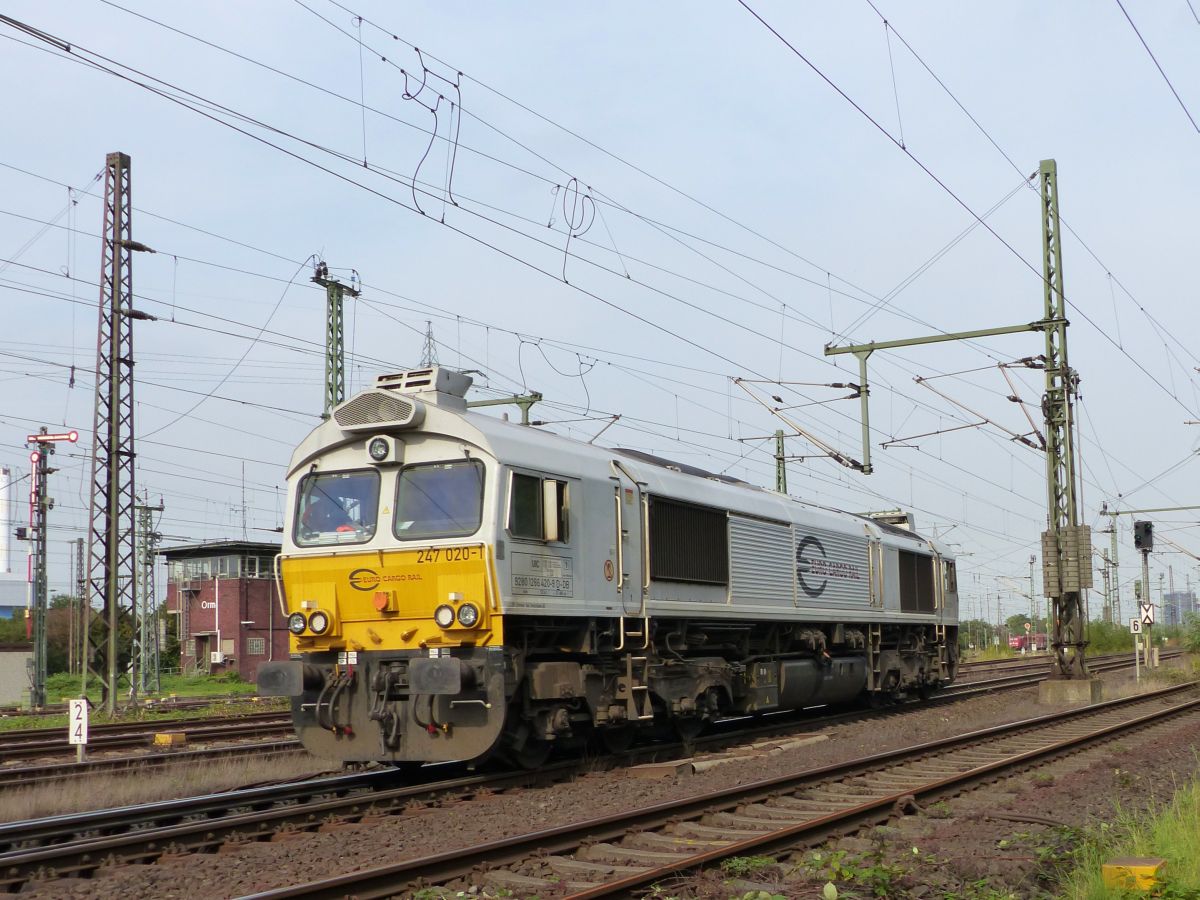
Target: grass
[(63, 686), (989, 654), (146, 786), (229, 706), (1171, 832)]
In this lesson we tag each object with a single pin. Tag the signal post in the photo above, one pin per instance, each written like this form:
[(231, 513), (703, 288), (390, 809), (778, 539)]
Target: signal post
[(1143, 541), (40, 504)]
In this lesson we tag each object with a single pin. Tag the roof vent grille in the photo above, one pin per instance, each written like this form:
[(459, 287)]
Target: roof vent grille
[(378, 409)]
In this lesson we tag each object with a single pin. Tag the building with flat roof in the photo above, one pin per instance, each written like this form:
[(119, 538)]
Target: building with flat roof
[(1177, 606), (229, 616), (15, 662), (14, 595)]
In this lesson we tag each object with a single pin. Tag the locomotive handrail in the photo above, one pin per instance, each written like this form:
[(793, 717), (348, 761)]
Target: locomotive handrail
[(489, 564), (645, 546), (278, 584), (620, 538)]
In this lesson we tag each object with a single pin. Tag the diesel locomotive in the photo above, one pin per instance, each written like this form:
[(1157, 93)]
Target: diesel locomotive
[(459, 586)]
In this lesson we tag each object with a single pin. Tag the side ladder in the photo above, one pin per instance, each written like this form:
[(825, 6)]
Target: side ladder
[(634, 689), (943, 652), (874, 647), (637, 631)]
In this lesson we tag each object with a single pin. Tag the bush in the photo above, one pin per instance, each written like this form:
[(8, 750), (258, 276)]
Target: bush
[(1109, 637), (1190, 636)]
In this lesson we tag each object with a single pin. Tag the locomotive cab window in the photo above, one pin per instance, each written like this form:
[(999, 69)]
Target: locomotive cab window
[(951, 577), (538, 508), (443, 499), (337, 508)]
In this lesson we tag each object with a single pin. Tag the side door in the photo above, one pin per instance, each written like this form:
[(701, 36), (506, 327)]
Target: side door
[(630, 541)]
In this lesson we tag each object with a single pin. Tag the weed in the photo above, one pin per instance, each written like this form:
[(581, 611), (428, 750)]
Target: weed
[(746, 866), (870, 870), (939, 810), (1125, 779)]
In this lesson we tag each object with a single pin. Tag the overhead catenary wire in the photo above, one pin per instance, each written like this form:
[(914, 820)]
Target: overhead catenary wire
[(954, 196), (1187, 112)]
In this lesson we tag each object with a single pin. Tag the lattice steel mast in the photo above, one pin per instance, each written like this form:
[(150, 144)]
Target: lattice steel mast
[(147, 633), (1066, 546), (335, 336), (111, 552)]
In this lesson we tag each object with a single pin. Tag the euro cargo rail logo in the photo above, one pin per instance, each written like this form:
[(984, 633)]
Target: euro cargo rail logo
[(804, 566), (364, 579), (812, 563)]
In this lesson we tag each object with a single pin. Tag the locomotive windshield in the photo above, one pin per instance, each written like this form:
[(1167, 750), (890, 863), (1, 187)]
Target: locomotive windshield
[(439, 500), (337, 508)]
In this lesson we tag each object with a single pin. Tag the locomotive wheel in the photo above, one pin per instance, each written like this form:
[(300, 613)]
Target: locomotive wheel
[(617, 739), (688, 727), (521, 746), (532, 754)]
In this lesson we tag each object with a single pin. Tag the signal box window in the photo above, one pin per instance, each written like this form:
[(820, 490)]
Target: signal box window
[(538, 508), (439, 500), (337, 508)]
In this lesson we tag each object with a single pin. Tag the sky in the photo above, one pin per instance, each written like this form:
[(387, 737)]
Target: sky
[(658, 211)]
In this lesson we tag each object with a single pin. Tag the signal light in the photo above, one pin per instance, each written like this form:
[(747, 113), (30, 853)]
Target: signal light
[(1143, 535)]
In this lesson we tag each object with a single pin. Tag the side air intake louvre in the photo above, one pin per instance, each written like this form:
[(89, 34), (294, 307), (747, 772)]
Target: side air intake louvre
[(370, 411)]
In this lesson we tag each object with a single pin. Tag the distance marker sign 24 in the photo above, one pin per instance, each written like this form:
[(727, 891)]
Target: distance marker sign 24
[(77, 722)]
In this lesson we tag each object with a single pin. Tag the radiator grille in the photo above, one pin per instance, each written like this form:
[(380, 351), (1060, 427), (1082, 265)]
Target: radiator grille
[(688, 542)]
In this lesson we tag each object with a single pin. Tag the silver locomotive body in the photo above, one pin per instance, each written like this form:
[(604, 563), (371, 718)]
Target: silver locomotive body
[(458, 585)]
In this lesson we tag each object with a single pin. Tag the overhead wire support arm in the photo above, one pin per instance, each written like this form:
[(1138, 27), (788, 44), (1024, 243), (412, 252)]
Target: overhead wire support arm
[(900, 442), (864, 351), (1020, 438), (1066, 553), (847, 461)]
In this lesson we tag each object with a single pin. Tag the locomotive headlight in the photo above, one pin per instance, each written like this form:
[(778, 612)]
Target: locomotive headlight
[(444, 616), (297, 623), (318, 622), (378, 449), (468, 615)]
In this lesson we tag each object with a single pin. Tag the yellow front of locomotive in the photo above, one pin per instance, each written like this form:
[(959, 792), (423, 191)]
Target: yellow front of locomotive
[(397, 637)]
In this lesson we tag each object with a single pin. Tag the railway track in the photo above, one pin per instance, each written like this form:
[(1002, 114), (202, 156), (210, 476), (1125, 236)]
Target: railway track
[(23, 776), (613, 855), (77, 845), (28, 776), (60, 709), (32, 743), (968, 672)]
